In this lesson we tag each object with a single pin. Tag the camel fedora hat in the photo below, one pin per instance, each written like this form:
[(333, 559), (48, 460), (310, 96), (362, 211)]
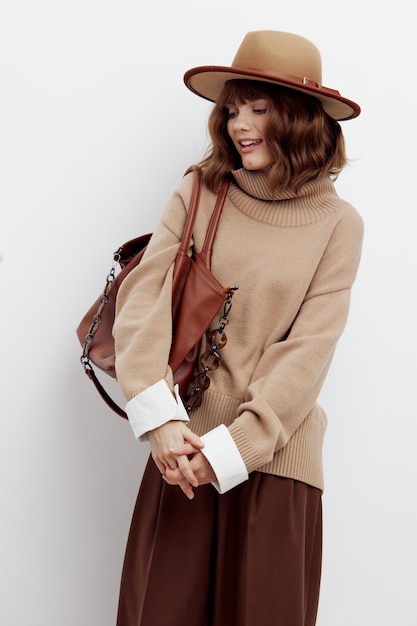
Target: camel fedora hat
[(273, 57)]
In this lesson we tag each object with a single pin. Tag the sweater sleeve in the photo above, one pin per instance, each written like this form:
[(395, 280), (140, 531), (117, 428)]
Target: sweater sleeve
[(143, 323), (289, 376)]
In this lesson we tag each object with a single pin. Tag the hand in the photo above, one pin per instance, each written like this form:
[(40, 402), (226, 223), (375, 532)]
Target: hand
[(171, 444), (200, 467)]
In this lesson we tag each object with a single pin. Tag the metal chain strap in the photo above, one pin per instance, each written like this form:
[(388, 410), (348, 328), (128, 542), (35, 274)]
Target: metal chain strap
[(210, 360), (104, 298)]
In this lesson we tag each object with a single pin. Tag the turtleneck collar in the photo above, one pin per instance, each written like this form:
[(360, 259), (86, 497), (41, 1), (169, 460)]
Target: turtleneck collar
[(255, 183), (314, 201)]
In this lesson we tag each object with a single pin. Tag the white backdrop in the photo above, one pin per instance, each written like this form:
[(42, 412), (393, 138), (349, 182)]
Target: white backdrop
[(96, 130)]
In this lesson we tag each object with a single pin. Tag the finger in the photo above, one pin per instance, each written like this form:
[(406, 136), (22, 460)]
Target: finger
[(171, 463), (160, 465), (191, 444), (192, 438), (165, 461), (176, 476), (183, 484), (173, 476), (186, 470), (202, 469), (187, 489), (185, 448)]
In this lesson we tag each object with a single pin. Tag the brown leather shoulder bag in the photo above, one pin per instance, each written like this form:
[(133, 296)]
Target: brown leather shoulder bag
[(197, 297)]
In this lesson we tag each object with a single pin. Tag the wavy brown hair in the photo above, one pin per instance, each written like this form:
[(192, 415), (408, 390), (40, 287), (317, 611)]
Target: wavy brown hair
[(304, 140)]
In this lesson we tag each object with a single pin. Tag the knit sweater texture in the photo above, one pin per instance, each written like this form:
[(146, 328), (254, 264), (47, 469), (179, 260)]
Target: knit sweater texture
[(294, 257)]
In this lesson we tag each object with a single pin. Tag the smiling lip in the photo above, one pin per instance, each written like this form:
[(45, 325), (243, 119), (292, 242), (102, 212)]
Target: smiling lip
[(247, 145)]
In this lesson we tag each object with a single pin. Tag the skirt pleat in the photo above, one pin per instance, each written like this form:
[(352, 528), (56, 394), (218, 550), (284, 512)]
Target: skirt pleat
[(250, 557)]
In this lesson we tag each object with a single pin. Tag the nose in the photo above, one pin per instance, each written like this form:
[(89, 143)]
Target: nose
[(241, 121)]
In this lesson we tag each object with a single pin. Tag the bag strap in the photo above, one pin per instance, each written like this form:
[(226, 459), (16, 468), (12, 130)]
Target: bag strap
[(192, 214), (192, 210), (214, 221), (103, 393)]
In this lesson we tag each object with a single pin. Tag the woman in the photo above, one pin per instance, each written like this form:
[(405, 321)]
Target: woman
[(244, 546)]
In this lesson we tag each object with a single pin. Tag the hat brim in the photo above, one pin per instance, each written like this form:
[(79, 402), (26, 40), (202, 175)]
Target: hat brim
[(208, 82)]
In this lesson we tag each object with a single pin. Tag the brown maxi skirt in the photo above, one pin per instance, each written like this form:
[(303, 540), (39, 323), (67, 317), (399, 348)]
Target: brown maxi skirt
[(250, 557)]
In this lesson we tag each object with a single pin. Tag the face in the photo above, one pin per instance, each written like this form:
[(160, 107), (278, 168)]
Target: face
[(246, 124)]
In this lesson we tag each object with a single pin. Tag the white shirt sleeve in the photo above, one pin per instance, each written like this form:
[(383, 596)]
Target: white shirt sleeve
[(154, 407), (224, 457)]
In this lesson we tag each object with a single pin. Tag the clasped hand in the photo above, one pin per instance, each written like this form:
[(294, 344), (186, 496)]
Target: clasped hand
[(176, 451)]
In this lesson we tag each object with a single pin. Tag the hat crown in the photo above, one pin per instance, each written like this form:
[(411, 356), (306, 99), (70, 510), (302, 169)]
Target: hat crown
[(276, 51)]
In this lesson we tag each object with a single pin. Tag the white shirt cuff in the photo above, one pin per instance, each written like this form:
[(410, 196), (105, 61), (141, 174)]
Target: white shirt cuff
[(224, 457), (154, 407)]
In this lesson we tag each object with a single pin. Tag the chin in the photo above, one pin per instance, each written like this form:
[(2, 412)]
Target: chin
[(256, 166), (251, 166)]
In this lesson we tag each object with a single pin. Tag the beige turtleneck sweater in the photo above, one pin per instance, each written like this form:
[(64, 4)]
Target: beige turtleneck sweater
[(295, 258)]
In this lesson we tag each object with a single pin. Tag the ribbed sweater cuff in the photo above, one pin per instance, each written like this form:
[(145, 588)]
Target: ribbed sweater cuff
[(250, 457)]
